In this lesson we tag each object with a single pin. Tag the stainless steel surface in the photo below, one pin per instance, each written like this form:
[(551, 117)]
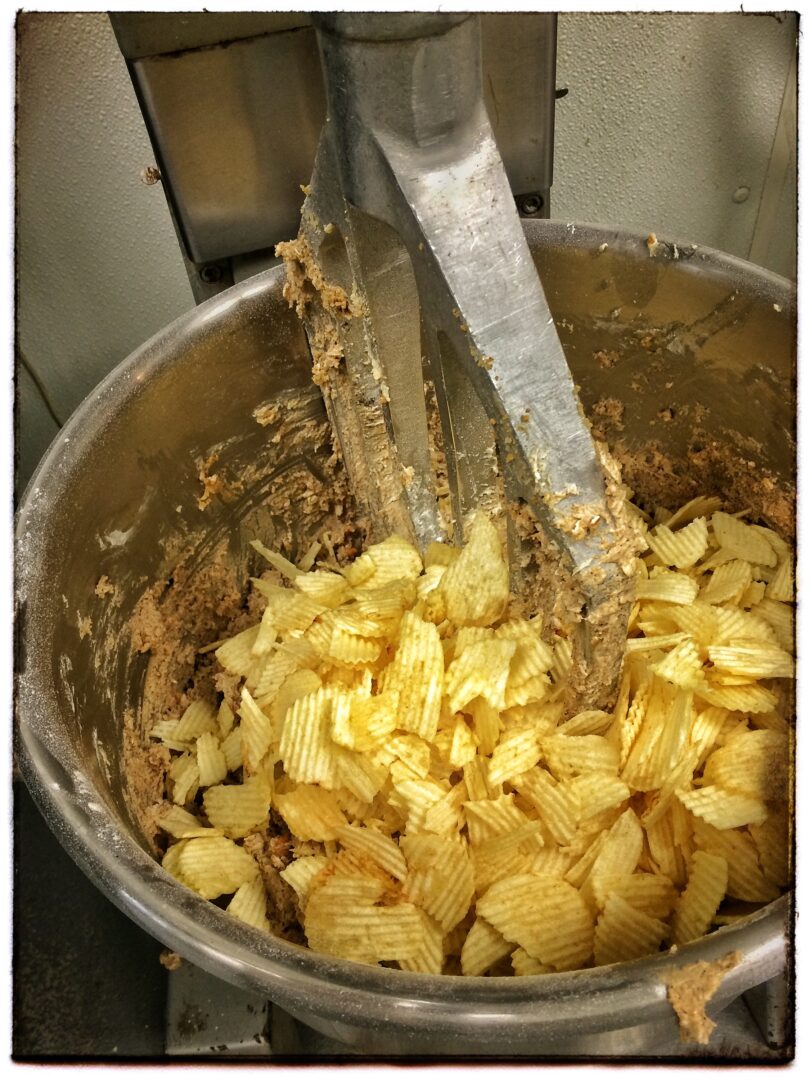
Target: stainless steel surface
[(205, 1017), (234, 105), (408, 142), (105, 500)]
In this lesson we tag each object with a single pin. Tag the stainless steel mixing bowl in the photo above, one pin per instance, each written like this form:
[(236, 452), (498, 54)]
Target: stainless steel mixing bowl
[(698, 350)]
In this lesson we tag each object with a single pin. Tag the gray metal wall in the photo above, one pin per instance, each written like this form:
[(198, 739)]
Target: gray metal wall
[(671, 125)]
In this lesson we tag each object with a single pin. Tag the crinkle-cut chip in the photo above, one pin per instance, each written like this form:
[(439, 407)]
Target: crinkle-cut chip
[(186, 782), (290, 656), (701, 506), (391, 560), (298, 684), (165, 730), (516, 753), (754, 661), (364, 778), (780, 618), (724, 809), (668, 586), (347, 648), (570, 755), (733, 623), (772, 721), (412, 751), (530, 692), (387, 601), (742, 539), (440, 877), (555, 803), (257, 732), (679, 779), (236, 654), (440, 554), (664, 731), (618, 855), (476, 780), (589, 722), (480, 670), (652, 894), (292, 611), (430, 956), (464, 745), (215, 865), (656, 641), (625, 933), (539, 716), (593, 794), (531, 658), (180, 823), (376, 846), (415, 797), (231, 747), (171, 860), (355, 809), (561, 667), (698, 904), (341, 919), (306, 747), (528, 630), (630, 725), (444, 816), (476, 585), (278, 562), (359, 623), (753, 595), (772, 839), (324, 587), (417, 673), (210, 760), (547, 918), (470, 635), (249, 903), (237, 809), (756, 763), (698, 620), (198, 719), (656, 619), (782, 586), (523, 964), (744, 699), (368, 721), (682, 666), (781, 547), (583, 858), (352, 865), (267, 636), (666, 856), (727, 583), (311, 812), (683, 548), (487, 725), (225, 719), (486, 818), (482, 947), (746, 880), (429, 581), (300, 873)]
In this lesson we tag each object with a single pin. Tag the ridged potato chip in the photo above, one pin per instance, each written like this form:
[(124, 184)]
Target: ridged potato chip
[(625, 933), (772, 840), (481, 669), (523, 964), (256, 733), (483, 946), (744, 540), (652, 894), (669, 586), (476, 585), (556, 803), (236, 654), (752, 661), (214, 866), (704, 892), (186, 780), (324, 587), (701, 506), (516, 753), (746, 880), (724, 809), (727, 583), (376, 846), (300, 873), (548, 919), (306, 747), (486, 818), (342, 919), (417, 673), (757, 764), (683, 548), (199, 718), (238, 809), (440, 877), (180, 823), (429, 957), (570, 755), (311, 812), (249, 903), (210, 760)]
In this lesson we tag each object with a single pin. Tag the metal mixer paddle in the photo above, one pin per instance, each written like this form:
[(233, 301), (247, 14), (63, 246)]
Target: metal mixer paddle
[(410, 210)]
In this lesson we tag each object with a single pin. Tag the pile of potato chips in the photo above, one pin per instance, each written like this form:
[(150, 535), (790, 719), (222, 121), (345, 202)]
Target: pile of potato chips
[(445, 818)]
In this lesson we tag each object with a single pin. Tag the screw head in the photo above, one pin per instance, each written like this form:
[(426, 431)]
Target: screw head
[(211, 273), (531, 204)]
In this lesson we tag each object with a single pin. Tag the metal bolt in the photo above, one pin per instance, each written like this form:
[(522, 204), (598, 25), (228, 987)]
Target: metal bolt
[(211, 273), (531, 204)]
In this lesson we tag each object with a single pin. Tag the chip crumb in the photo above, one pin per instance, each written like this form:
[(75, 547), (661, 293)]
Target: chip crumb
[(690, 989), (171, 960), (85, 624), (104, 587)]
